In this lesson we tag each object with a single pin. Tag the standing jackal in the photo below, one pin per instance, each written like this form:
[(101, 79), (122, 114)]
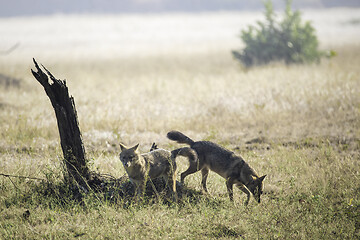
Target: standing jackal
[(151, 165), (224, 162)]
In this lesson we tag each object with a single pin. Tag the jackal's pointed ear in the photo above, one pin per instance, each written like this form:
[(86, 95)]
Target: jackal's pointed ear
[(122, 147), (262, 178), (134, 148)]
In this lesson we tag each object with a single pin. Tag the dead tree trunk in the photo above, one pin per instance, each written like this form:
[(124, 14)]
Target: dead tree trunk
[(67, 121)]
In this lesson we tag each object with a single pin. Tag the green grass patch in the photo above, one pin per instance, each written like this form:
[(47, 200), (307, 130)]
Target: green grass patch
[(310, 192)]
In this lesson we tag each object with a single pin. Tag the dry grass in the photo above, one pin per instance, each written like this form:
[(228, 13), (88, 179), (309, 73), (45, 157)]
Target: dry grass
[(145, 98), (306, 120)]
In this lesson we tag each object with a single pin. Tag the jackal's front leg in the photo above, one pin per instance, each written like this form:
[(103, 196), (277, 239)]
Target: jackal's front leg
[(244, 189), (139, 191), (229, 186)]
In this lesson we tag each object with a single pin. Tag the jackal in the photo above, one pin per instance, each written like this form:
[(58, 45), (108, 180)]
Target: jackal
[(225, 163), (151, 165)]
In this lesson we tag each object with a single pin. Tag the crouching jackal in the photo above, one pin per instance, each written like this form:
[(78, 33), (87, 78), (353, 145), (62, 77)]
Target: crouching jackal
[(224, 162), (151, 165)]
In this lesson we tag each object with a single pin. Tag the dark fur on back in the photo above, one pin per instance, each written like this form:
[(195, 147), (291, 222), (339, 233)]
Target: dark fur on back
[(211, 156)]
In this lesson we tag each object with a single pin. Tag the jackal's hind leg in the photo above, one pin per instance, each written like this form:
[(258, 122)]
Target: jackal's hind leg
[(205, 173), (171, 184), (175, 196), (193, 168)]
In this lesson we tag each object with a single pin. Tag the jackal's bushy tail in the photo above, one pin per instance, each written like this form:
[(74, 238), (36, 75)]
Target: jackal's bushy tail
[(185, 152), (179, 137)]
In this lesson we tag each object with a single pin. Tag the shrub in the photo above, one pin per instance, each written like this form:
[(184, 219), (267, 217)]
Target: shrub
[(289, 40)]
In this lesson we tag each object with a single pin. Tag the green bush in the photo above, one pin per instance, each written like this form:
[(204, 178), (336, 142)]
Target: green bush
[(289, 40)]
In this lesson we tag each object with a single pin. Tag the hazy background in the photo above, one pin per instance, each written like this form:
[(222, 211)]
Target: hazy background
[(138, 69), (125, 60), (43, 7)]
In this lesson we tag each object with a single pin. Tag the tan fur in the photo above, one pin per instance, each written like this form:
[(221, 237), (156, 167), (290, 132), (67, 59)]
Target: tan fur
[(225, 163), (151, 165)]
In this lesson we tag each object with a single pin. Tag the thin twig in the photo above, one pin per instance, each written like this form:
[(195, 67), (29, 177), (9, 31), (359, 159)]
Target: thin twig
[(15, 176), (13, 183)]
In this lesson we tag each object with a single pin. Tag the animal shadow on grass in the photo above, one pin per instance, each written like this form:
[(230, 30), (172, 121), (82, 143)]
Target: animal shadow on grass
[(156, 191), (118, 192)]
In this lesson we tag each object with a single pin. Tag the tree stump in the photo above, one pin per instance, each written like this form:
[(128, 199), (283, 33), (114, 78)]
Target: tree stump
[(67, 121)]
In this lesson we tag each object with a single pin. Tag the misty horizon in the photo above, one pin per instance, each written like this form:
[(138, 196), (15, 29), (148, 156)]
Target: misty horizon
[(42, 7)]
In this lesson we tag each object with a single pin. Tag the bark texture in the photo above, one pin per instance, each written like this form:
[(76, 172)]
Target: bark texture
[(67, 121)]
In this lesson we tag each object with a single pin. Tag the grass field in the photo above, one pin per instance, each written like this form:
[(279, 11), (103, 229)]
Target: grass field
[(134, 78)]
